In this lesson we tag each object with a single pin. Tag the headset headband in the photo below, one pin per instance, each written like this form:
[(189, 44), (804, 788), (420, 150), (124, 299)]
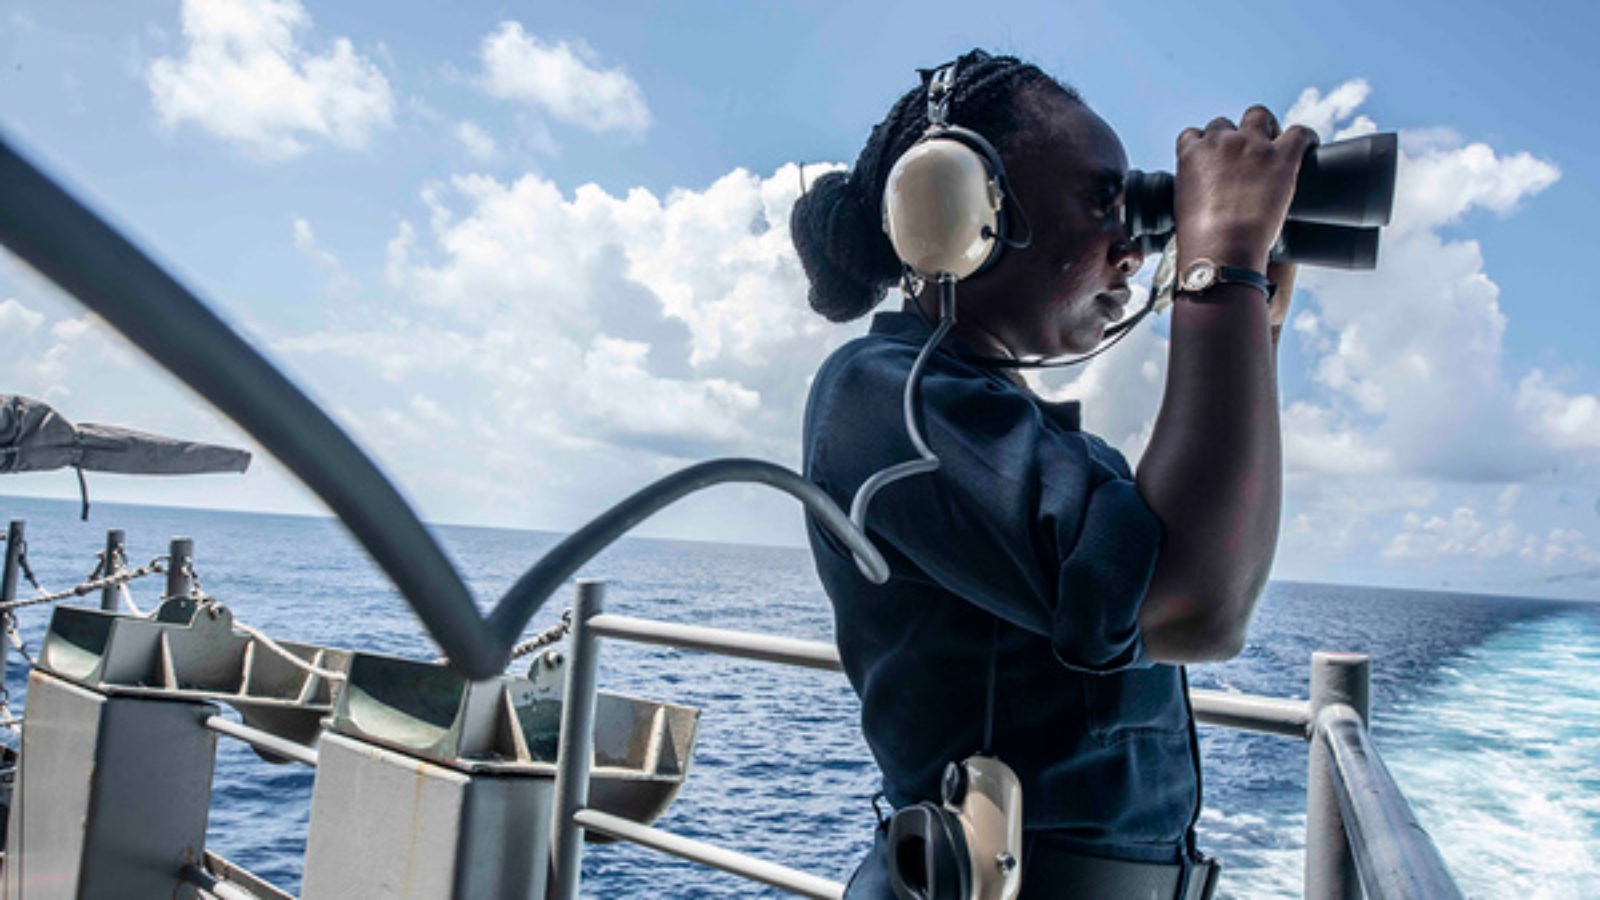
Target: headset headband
[(940, 87)]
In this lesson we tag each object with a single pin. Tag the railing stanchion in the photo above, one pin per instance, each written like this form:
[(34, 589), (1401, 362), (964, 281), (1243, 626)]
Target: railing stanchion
[(575, 747), (114, 545), (1330, 865), (180, 562), (8, 583), (180, 557)]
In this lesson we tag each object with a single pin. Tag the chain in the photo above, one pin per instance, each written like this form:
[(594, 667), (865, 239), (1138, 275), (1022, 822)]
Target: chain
[(16, 637), (87, 587), (544, 638), (22, 563), (100, 568)]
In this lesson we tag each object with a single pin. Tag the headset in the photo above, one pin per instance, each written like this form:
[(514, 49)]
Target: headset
[(946, 199), (967, 848), (946, 205)]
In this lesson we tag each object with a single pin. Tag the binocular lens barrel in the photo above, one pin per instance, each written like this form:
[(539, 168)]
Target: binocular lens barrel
[(1347, 182), (1309, 243), (1345, 191)]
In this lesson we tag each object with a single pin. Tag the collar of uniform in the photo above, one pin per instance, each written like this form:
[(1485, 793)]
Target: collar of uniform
[(903, 325)]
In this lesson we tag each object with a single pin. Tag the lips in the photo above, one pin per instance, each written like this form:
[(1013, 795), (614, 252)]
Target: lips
[(1113, 302)]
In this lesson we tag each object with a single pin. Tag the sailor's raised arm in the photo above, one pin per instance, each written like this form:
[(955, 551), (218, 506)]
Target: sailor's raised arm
[(1213, 472)]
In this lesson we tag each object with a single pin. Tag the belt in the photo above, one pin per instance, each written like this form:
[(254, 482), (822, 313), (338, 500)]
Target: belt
[(1052, 873)]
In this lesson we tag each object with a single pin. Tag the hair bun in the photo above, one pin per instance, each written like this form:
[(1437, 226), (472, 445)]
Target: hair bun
[(842, 247)]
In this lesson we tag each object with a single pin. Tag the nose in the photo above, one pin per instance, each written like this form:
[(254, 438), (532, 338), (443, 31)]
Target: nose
[(1125, 256)]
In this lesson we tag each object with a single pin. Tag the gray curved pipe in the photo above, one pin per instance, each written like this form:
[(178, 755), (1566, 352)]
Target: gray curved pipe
[(539, 582), (61, 238)]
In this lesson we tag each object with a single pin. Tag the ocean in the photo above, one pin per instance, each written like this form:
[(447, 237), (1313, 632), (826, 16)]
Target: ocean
[(1486, 709)]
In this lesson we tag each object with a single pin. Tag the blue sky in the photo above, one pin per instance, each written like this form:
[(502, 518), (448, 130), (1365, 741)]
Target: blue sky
[(535, 255)]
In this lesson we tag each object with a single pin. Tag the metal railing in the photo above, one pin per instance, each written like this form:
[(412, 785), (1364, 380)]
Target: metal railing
[(1360, 831)]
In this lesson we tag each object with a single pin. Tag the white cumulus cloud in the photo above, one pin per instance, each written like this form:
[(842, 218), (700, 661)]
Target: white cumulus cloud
[(479, 144), (1313, 443), (340, 282), (1412, 353), (583, 340), (563, 79), (16, 318), (1440, 184), (1319, 111), (1463, 534), (1565, 421), (245, 76)]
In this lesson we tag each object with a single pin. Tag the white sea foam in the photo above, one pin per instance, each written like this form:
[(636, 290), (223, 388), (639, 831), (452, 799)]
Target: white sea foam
[(1502, 762), (1261, 870), (1500, 758)]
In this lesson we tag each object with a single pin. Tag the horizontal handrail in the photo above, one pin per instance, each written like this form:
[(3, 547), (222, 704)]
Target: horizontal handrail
[(263, 740), (1252, 712), (776, 875), (1396, 858), (1269, 715), (725, 641)]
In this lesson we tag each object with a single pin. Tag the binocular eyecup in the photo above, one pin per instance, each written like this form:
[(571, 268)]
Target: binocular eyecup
[(1343, 196)]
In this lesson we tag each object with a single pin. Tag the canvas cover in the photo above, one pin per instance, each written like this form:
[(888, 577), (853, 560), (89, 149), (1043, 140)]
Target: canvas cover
[(34, 437)]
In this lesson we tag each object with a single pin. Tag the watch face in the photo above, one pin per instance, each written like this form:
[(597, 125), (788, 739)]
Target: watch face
[(1201, 274)]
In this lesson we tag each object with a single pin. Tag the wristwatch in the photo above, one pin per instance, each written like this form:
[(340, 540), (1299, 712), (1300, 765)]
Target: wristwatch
[(1198, 276), (1203, 274)]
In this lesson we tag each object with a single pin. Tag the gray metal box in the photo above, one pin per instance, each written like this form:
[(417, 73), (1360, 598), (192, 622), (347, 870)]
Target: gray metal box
[(112, 794), (385, 824)]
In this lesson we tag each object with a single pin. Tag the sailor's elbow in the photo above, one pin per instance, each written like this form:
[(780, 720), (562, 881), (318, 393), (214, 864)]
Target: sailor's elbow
[(1202, 636)]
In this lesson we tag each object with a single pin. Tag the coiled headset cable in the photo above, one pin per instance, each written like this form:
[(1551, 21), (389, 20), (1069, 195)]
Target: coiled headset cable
[(926, 461)]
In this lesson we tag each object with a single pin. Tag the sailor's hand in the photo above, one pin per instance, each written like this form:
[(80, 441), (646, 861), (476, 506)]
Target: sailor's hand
[(1234, 185)]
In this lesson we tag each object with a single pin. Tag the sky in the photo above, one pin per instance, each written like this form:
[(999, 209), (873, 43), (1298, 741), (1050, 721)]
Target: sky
[(536, 256)]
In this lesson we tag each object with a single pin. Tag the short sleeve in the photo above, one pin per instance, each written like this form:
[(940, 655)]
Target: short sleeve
[(1035, 523), (1103, 580)]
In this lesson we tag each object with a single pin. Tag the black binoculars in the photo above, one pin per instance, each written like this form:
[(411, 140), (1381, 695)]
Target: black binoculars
[(1345, 192)]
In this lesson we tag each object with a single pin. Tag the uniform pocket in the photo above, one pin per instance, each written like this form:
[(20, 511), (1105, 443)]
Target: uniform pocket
[(1119, 705)]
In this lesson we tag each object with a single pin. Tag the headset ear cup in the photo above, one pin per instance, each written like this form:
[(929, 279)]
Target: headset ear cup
[(928, 857), (944, 204), (956, 862)]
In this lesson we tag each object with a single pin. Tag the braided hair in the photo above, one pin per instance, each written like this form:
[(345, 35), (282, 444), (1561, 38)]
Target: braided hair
[(837, 224)]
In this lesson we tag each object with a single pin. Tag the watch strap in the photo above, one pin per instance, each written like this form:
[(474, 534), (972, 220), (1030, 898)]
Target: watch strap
[(1226, 275), (1241, 275)]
